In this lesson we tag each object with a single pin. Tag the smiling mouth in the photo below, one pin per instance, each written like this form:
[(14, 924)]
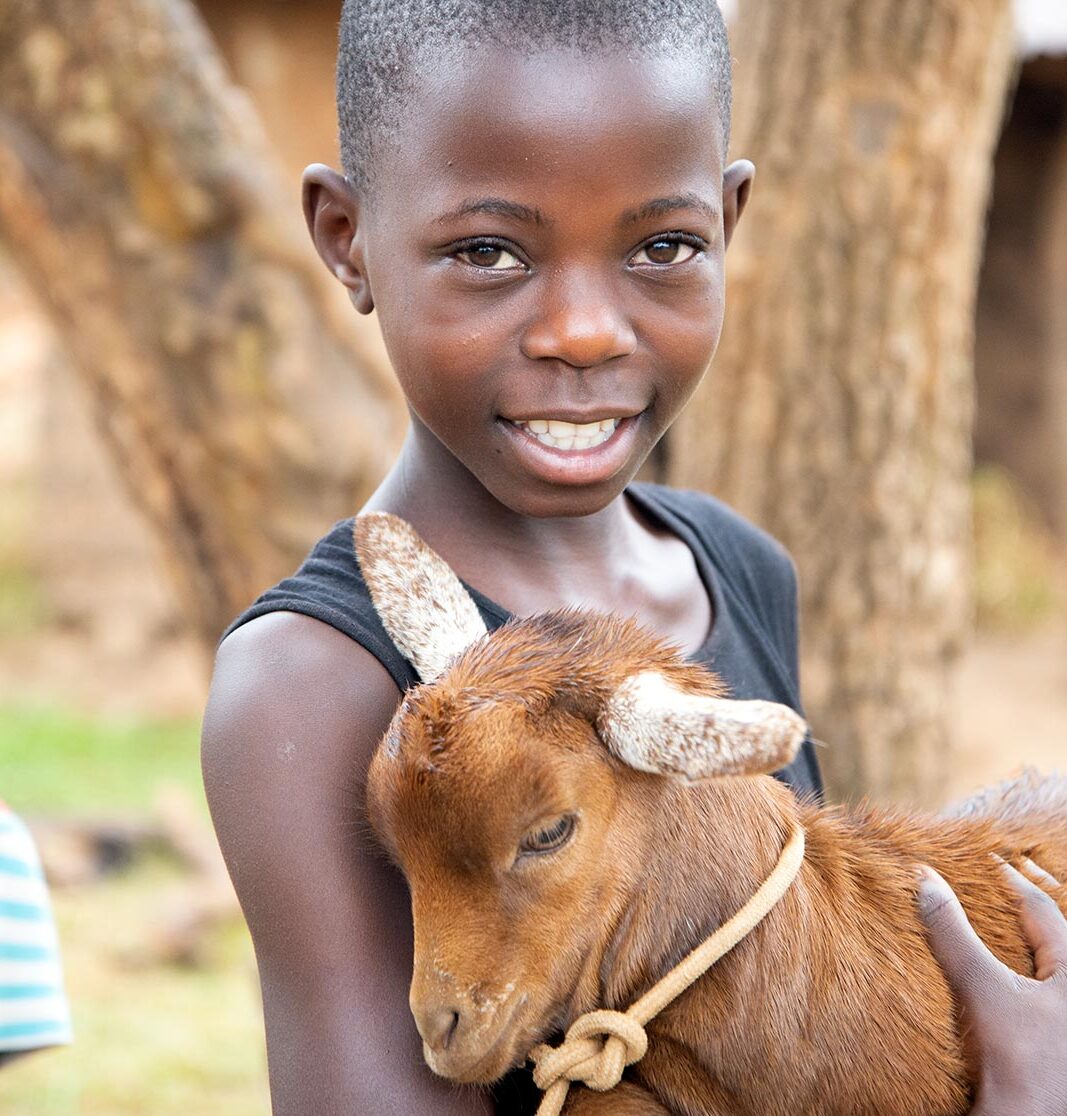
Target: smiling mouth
[(569, 436)]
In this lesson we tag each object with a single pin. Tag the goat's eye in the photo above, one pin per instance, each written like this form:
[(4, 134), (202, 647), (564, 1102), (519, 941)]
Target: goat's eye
[(550, 837)]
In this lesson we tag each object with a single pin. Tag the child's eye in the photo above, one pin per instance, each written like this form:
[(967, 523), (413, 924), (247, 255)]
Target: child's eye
[(665, 250), (491, 257)]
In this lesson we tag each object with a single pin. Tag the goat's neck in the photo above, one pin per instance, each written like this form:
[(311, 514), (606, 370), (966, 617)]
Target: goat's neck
[(734, 830)]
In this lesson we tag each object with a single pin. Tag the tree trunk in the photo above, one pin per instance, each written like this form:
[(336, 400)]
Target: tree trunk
[(1055, 362), (838, 411), (139, 199), (1021, 358)]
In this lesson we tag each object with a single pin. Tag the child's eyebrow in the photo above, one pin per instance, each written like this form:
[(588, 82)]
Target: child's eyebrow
[(497, 207), (660, 207), (657, 207)]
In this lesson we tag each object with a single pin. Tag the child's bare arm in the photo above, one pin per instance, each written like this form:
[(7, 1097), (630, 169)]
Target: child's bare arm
[(296, 710)]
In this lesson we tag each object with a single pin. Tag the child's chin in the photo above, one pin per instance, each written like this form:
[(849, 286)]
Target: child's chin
[(570, 504)]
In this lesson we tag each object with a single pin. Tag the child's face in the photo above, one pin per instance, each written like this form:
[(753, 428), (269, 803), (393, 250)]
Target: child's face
[(545, 243)]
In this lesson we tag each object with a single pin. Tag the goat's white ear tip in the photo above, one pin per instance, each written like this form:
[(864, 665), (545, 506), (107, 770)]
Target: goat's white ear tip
[(769, 734), (652, 725)]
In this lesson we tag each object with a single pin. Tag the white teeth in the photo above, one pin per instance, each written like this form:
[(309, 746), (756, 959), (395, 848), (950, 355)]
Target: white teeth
[(560, 429), (558, 434)]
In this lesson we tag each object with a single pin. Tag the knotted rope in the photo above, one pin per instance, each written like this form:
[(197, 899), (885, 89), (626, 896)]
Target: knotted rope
[(601, 1044)]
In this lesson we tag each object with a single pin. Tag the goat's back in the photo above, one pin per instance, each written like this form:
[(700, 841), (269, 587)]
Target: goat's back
[(1021, 800), (1030, 812)]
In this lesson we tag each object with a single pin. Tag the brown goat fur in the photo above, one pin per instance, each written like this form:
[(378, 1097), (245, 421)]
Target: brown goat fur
[(833, 1005)]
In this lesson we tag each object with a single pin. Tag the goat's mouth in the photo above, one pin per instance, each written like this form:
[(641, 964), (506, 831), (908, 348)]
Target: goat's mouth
[(483, 1056)]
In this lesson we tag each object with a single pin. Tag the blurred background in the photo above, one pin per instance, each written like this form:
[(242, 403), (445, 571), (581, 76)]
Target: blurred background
[(187, 403)]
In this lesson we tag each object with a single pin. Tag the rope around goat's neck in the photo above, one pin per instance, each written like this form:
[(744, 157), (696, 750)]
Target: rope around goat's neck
[(601, 1044)]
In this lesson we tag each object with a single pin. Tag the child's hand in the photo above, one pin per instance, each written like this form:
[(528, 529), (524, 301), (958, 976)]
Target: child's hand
[(1016, 1027)]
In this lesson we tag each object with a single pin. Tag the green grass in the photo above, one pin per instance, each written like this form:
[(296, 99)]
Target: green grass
[(54, 761), (150, 1039)]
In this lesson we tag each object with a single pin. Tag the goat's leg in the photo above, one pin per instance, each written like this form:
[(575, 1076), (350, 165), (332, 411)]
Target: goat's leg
[(626, 1099)]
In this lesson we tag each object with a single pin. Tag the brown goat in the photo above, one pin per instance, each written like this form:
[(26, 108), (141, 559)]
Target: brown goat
[(550, 876)]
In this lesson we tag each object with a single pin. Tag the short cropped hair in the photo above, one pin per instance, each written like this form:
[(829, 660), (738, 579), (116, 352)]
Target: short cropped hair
[(383, 41)]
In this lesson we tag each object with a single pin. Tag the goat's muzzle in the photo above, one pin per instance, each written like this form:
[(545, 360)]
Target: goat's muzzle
[(465, 1037)]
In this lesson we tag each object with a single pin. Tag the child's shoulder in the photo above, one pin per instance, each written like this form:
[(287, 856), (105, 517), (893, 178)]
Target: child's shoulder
[(328, 586)]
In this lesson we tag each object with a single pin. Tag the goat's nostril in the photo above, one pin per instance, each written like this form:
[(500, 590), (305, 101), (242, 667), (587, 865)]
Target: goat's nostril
[(440, 1027)]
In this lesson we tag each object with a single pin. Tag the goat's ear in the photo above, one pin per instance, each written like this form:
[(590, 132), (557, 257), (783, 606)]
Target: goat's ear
[(652, 724), (422, 604)]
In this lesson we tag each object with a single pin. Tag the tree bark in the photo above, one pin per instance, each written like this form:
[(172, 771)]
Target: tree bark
[(1021, 358), (1055, 363), (838, 411), (140, 200)]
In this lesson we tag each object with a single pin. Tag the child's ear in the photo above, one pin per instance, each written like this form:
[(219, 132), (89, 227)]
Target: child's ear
[(736, 187), (331, 209)]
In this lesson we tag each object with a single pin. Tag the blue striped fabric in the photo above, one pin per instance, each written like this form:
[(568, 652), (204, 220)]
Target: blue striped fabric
[(33, 1006)]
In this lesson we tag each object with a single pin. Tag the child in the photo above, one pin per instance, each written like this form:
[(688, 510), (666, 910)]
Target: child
[(537, 204), (34, 1013)]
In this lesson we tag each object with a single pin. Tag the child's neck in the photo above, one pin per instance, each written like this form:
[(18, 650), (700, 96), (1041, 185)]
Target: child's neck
[(490, 545), (617, 559)]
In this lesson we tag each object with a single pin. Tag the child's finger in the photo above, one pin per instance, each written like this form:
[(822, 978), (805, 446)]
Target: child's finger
[(971, 969), (1044, 877), (1043, 923)]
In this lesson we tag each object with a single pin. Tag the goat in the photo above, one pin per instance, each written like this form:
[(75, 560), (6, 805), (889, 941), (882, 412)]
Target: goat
[(575, 808)]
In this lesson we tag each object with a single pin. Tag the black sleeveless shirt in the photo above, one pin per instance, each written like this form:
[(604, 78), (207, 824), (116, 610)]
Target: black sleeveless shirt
[(749, 578)]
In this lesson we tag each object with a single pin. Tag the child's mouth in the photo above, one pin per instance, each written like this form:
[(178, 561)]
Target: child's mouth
[(558, 434), (561, 451)]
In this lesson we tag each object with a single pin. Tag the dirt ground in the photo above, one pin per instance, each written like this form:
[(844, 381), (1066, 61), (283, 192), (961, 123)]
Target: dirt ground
[(1011, 707), (66, 669)]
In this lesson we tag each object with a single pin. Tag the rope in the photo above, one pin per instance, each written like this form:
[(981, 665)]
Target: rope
[(601, 1044)]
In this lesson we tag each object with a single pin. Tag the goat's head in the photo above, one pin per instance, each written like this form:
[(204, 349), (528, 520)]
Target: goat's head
[(515, 789)]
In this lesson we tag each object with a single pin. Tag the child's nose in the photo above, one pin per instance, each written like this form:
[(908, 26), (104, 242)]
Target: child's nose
[(581, 325)]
